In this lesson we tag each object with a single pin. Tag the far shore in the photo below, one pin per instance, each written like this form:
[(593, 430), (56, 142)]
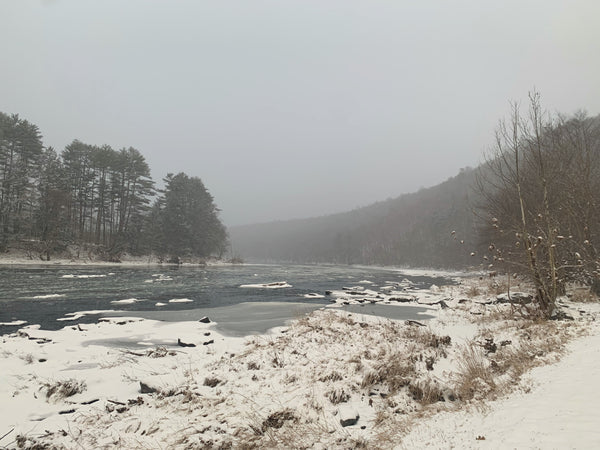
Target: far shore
[(21, 259)]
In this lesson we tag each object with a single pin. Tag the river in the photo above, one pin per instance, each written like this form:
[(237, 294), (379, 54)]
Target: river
[(51, 295)]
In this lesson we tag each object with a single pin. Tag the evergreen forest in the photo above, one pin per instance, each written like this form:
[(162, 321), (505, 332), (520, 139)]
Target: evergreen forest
[(99, 201)]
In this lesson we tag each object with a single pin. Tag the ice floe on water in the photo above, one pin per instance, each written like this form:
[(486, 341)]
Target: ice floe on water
[(158, 277), (274, 285), (80, 314), (180, 300), (72, 275), (126, 301), (160, 304), (48, 296), (14, 323)]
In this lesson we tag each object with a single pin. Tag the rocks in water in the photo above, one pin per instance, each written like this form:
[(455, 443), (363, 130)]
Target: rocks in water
[(204, 320)]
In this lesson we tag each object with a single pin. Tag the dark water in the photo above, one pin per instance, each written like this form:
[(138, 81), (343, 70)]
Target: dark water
[(94, 288)]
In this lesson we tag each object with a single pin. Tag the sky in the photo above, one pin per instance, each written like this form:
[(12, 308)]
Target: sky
[(296, 108)]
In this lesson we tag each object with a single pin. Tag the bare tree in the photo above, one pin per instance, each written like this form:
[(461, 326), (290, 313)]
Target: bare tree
[(539, 189)]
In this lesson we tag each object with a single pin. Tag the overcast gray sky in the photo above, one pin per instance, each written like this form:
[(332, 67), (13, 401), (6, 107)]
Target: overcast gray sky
[(294, 108)]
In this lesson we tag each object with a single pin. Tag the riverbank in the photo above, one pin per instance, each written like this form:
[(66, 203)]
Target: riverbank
[(332, 379), (23, 258)]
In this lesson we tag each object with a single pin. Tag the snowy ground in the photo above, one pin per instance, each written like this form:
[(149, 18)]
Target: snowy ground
[(332, 379)]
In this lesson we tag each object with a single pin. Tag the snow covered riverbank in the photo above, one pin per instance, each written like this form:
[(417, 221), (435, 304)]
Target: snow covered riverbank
[(19, 258), (332, 379)]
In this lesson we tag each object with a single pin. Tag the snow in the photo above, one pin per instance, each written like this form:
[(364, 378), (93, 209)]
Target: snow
[(305, 378), (556, 411)]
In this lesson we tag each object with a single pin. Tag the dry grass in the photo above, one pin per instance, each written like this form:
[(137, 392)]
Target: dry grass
[(28, 358), (474, 378), (395, 372), (583, 295), (426, 392), (211, 382), (160, 352), (487, 369), (473, 291), (338, 395), (63, 388)]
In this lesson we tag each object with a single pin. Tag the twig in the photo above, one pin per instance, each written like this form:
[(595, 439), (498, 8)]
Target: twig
[(6, 434), (129, 352)]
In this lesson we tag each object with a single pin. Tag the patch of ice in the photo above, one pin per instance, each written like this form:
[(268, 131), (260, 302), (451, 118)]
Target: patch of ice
[(157, 277), (80, 314), (83, 276), (14, 323), (313, 295), (126, 301), (180, 300), (160, 304), (49, 296)]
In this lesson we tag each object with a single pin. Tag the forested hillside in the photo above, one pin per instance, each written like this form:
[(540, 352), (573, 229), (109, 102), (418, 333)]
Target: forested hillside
[(531, 208), (413, 229), (99, 200)]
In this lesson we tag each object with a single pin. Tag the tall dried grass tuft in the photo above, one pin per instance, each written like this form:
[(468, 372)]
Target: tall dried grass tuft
[(63, 388), (395, 372), (474, 378)]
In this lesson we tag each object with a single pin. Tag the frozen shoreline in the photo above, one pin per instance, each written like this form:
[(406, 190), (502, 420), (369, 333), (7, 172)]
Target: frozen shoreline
[(302, 384), (128, 261)]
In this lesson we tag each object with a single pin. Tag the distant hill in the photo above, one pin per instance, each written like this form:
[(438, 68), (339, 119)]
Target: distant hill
[(410, 230)]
